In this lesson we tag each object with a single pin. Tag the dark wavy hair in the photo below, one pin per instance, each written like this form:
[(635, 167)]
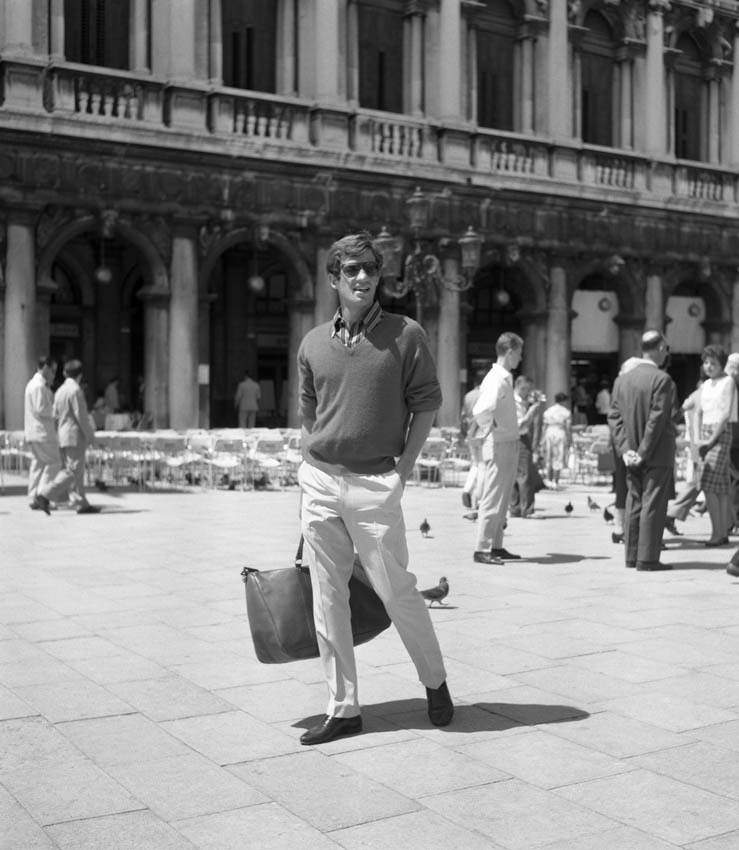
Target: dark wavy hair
[(350, 246), (715, 352)]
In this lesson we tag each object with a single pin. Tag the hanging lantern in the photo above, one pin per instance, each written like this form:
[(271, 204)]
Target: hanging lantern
[(470, 245), (418, 210), (390, 249)]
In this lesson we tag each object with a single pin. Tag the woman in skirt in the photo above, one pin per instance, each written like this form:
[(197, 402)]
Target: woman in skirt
[(717, 409)]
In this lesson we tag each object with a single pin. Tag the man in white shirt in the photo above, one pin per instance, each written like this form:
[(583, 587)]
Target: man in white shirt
[(40, 432), (495, 411)]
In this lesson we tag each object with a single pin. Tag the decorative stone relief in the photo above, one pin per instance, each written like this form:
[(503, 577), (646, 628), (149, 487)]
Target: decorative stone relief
[(51, 219)]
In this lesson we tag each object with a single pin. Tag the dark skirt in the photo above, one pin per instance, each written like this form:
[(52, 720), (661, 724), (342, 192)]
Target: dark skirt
[(715, 473)]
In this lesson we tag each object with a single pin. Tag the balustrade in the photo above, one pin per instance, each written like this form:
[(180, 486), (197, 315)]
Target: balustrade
[(130, 99)]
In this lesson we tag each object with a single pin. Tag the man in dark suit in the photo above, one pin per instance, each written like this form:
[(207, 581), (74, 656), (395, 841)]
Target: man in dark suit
[(644, 435)]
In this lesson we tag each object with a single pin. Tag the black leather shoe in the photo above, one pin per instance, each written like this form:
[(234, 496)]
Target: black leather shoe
[(41, 503), (486, 558), (711, 543), (733, 570), (652, 566), (441, 707), (617, 538), (671, 527), (505, 555), (89, 509), (331, 728)]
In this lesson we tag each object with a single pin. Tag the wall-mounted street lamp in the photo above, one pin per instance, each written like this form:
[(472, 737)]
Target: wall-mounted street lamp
[(420, 271)]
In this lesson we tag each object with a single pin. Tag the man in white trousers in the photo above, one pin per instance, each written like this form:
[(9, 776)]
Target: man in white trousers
[(368, 397)]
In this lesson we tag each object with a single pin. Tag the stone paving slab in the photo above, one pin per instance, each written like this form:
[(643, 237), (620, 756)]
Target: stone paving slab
[(597, 707)]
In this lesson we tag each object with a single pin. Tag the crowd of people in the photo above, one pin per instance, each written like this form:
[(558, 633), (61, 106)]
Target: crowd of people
[(368, 396), (510, 435)]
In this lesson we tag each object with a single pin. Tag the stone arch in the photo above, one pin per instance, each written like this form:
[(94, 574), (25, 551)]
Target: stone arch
[(624, 283), (81, 276), (154, 268), (305, 286)]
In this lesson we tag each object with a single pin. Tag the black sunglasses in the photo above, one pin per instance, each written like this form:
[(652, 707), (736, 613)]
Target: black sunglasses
[(351, 270)]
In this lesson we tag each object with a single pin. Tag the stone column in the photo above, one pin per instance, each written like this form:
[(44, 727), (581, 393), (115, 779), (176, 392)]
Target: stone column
[(20, 314), (352, 53), (655, 116), (156, 354), (287, 56), (558, 334), (626, 100), (300, 322), (183, 328), (414, 71), (16, 33), (448, 356), (139, 36), (526, 75), (327, 57), (204, 379), (630, 330), (534, 347), (713, 127), (56, 29), (654, 307), (732, 109), (215, 49), (558, 93), (326, 301), (450, 66), (173, 32)]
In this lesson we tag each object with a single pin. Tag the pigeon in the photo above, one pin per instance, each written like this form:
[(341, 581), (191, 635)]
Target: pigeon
[(593, 505), (568, 508), (425, 528), (438, 593), (101, 485), (607, 515)]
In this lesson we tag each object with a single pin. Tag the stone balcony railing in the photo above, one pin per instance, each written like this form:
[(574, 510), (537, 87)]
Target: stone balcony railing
[(295, 127)]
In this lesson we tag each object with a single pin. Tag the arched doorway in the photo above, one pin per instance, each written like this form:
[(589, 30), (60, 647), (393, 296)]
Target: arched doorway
[(493, 305), (249, 331)]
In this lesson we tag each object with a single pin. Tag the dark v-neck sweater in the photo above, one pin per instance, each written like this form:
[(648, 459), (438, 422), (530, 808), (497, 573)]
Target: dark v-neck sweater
[(359, 399)]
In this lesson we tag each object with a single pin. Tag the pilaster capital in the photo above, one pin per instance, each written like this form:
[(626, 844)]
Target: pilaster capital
[(156, 296), (415, 7)]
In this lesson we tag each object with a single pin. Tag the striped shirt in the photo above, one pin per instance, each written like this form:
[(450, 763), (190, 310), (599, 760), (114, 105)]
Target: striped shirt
[(350, 336)]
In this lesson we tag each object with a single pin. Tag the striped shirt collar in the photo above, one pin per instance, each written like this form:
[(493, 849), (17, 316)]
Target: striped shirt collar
[(349, 337)]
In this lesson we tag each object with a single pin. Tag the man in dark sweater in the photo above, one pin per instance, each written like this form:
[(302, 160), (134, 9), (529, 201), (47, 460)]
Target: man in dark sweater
[(644, 436), (368, 397)]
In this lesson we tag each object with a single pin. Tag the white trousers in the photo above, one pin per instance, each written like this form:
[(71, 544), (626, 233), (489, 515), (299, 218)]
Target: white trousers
[(45, 464), (342, 512), (498, 479)]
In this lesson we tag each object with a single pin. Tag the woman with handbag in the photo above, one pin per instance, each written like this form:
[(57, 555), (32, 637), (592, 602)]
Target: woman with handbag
[(368, 395)]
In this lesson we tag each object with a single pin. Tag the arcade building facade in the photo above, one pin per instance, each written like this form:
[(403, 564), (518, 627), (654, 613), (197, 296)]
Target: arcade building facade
[(174, 171)]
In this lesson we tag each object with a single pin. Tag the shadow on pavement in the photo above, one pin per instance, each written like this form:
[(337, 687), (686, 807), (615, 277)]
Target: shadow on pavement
[(563, 558), (475, 717), (700, 565)]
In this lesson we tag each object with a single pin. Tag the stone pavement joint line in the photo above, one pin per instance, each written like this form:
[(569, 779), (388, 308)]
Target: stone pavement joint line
[(597, 707)]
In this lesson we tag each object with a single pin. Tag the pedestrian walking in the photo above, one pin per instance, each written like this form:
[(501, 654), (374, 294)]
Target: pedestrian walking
[(76, 433), (495, 411), (40, 430), (556, 438), (368, 394), (471, 433), (528, 405), (644, 435)]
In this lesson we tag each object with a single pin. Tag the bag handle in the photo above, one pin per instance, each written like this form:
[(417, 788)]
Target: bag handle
[(299, 553)]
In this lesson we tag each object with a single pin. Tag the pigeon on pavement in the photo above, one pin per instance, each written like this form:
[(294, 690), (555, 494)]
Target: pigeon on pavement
[(438, 593), (425, 528), (593, 505), (568, 508), (607, 515)]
